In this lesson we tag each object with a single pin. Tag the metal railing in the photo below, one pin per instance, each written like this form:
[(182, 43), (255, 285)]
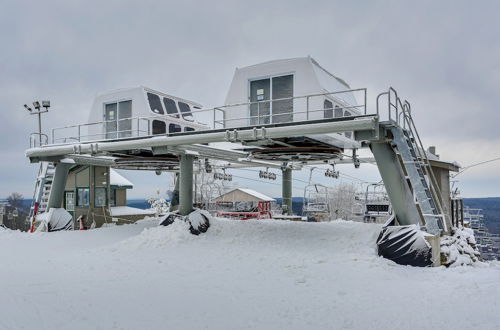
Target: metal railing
[(99, 131), (38, 139), (307, 110), (306, 107)]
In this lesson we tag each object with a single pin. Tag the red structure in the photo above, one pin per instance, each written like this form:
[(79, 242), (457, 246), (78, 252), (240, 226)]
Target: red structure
[(263, 211)]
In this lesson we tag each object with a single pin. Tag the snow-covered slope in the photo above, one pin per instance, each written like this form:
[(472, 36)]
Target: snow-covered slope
[(239, 275)]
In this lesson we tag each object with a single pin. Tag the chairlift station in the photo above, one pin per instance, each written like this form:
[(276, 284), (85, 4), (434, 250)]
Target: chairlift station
[(281, 114)]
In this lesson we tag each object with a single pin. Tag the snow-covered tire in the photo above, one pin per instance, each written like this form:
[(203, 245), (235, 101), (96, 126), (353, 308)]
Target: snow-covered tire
[(169, 219), (199, 221)]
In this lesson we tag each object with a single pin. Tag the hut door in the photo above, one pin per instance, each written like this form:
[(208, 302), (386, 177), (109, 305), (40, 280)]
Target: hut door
[(110, 118), (260, 92), (117, 117), (124, 121), (264, 91), (282, 88)]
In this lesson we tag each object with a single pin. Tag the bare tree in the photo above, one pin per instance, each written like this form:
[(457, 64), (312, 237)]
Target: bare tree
[(16, 212), (15, 200), (342, 200)]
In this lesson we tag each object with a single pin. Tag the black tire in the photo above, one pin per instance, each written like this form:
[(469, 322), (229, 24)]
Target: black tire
[(199, 228), (169, 219)]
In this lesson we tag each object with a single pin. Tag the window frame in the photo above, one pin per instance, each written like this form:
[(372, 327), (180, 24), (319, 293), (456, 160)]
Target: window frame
[(77, 204), (270, 77), (148, 102), (175, 103), (117, 133), (112, 197), (105, 197), (66, 192), (185, 114), (159, 121), (174, 124), (328, 110)]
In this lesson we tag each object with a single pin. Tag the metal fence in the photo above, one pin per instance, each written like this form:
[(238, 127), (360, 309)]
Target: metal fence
[(303, 108)]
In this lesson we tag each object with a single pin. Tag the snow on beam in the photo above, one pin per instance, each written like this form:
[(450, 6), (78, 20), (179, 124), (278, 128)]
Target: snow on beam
[(293, 130)]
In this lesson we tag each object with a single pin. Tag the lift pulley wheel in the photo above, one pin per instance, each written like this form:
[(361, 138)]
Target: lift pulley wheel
[(297, 153), (148, 163)]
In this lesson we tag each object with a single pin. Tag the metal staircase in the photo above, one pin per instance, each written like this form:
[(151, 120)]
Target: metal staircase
[(42, 190), (416, 171), (412, 161)]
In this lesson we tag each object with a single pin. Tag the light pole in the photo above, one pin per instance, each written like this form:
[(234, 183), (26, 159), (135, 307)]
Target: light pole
[(38, 111)]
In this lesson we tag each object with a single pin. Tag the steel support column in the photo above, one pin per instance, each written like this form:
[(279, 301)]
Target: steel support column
[(174, 203), (397, 188), (186, 185), (286, 187), (56, 196)]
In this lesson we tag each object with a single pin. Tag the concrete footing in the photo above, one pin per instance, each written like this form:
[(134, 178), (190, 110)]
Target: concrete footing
[(435, 242)]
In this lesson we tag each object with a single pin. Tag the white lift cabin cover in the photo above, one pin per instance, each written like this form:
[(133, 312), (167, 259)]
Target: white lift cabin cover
[(140, 111), (287, 81)]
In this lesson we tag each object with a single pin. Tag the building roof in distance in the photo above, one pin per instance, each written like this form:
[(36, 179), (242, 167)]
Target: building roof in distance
[(116, 180)]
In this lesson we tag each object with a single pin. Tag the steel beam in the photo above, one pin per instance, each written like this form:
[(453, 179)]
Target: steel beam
[(186, 185), (56, 196), (395, 184), (236, 134), (174, 203)]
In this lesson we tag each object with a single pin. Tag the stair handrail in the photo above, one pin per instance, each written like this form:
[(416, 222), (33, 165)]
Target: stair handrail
[(412, 129)]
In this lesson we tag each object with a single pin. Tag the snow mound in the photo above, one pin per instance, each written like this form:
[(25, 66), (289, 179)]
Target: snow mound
[(257, 274), (459, 249), (158, 237)]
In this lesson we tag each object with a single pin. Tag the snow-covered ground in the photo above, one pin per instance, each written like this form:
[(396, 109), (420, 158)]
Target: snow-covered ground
[(239, 275)]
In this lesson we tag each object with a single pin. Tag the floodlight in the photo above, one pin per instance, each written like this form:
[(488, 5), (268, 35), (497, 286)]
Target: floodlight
[(36, 104), (27, 108), (46, 104)]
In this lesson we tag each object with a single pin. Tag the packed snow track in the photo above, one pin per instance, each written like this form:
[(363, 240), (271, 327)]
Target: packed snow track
[(238, 275)]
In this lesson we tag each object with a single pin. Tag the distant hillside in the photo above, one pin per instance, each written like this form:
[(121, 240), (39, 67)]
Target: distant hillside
[(138, 203), (491, 211)]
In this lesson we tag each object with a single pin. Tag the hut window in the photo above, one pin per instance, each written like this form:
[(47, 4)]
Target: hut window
[(186, 111), (69, 198), (328, 107), (117, 116), (159, 127), (282, 88), (171, 107), (347, 114), (100, 197), (112, 197), (188, 129), (110, 118), (174, 128), (338, 111), (261, 91), (82, 197), (124, 121), (155, 104)]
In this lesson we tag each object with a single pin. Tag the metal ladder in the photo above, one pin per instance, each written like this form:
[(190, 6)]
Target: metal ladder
[(416, 170), (414, 163), (42, 190)]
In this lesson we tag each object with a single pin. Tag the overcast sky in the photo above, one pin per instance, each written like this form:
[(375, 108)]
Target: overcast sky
[(443, 56)]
